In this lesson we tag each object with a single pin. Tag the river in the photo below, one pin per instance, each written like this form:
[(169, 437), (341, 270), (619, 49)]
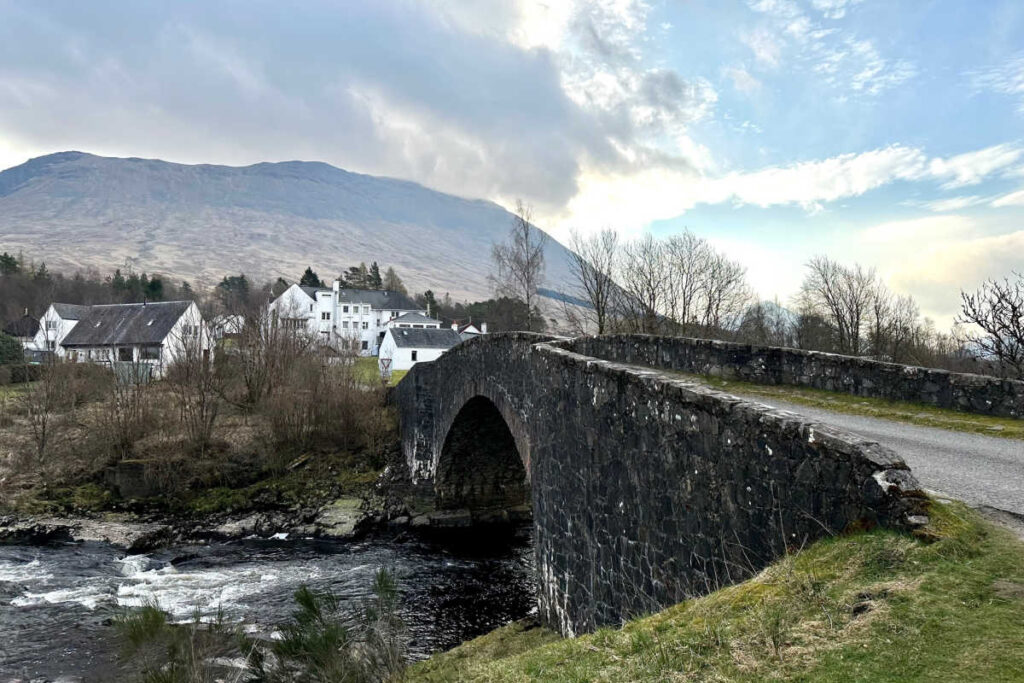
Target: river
[(56, 602)]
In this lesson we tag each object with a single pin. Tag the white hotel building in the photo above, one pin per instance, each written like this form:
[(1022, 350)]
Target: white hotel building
[(346, 318)]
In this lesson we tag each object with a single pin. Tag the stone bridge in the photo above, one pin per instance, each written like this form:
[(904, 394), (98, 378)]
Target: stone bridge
[(645, 489)]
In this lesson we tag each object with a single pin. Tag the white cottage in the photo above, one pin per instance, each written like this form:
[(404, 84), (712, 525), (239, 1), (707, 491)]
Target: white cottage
[(404, 347), (150, 334)]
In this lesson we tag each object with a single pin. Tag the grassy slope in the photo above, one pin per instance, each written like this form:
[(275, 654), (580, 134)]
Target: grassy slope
[(876, 606), (901, 411), (367, 370)]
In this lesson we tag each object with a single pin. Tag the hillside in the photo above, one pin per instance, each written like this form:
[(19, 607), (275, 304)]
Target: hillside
[(201, 222)]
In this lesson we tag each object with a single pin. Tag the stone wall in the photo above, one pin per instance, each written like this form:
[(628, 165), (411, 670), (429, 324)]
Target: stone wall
[(646, 489), (769, 365)]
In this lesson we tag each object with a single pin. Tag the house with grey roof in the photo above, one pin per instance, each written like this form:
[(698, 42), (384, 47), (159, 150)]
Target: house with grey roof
[(340, 317), (403, 347), (151, 334)]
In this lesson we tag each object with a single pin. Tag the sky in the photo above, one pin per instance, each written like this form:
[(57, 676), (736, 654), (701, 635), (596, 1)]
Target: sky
[(883, 132)]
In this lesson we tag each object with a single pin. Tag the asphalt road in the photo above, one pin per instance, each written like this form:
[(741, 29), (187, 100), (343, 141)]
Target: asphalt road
[(979, 470)]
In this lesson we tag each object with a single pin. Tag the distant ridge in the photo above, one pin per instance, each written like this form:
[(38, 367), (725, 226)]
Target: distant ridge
[(200, 222)]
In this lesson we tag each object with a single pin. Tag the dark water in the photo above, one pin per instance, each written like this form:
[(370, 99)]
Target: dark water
[(56, 602)]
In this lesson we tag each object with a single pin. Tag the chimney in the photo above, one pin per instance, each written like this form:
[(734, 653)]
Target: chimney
[(483, 328)]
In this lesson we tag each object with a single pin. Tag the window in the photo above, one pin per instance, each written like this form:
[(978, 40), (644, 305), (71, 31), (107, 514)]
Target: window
[(344, 324), (418, 327), (292, 323), (325, 315), (366, 345), (150, 353), (344, 309), (366, 325), (52, 345), (124, 354), (51, 324), (366, 310), (413, 356), (311, 308), (394, 314)]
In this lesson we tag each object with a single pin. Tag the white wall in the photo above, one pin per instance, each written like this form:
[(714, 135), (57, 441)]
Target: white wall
[(401, 357), (45, 336)]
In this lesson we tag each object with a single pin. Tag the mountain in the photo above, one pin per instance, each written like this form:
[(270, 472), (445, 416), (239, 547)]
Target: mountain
[(201, 222)]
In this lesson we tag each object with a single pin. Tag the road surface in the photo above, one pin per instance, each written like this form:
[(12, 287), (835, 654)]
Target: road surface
[(979, 470)]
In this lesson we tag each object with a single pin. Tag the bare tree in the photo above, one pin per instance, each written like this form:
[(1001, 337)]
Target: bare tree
[(689, 257), (520, 262), (645, 275), (841, 295), (196, 388), (593, 262), (42, 403), (725, 294), (996, 313)]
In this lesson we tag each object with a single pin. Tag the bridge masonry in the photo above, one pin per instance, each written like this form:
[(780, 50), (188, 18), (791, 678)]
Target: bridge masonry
[(645, 489)]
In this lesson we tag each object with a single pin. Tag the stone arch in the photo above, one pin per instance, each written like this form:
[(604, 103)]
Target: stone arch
[(481, 465)]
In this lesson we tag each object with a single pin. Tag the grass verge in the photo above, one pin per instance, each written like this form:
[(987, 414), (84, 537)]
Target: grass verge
[(874, 606), (368, 371), (900, 411)]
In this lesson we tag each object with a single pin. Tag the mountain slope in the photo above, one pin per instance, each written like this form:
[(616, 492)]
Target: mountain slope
[(201, 222)]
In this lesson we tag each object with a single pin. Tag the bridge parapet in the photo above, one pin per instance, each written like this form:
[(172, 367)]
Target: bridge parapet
[(833, 372), (645, 489)]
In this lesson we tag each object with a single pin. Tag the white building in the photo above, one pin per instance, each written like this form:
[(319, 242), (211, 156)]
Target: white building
[(342, 317), (403, 347), (469, 330), (54, 326), (414, 321), (148, 334)]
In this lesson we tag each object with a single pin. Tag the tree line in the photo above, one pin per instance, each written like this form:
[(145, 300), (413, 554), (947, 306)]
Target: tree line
[(681, 285)]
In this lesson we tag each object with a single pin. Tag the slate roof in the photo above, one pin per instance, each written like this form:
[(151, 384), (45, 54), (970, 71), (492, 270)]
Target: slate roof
[(380, 299), (71, 311), (425, 339), (415, 319), (25, 326), (120, 324), (311, 291)]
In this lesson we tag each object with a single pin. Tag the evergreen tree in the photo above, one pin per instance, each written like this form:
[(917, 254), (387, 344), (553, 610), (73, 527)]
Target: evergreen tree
[(10, 350), (9, 264), (310, 279), (429, 301), (117, 283), (376, 282), (155, 289), (277, 289)]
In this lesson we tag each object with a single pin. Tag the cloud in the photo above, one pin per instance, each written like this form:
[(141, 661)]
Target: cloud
[(917, 230), (834, 9), (936, 272), (951, 203), (1011, 199), (630, 201), (972, 167), (844, 62), (742, 80), (1005, 79)]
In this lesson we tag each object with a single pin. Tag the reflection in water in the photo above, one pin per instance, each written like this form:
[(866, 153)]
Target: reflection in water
[(56, 602)]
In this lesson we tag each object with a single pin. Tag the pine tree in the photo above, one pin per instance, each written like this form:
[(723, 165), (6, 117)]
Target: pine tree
[(9, 264), (375, 279), (310, 279)]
